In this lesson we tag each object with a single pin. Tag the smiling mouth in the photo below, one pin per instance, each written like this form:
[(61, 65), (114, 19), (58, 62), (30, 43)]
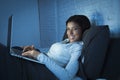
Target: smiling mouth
[(72, 37)]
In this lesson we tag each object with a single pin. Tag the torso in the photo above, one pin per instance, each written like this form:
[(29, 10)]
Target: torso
[(61, 52)]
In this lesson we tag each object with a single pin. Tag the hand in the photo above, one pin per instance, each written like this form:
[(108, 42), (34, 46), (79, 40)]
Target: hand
[(31, 54), (28, 48)]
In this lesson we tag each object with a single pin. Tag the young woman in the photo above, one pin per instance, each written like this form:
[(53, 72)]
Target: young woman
[(62, 58)]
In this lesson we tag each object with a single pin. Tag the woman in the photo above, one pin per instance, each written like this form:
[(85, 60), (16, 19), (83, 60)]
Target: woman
[(62, 58)]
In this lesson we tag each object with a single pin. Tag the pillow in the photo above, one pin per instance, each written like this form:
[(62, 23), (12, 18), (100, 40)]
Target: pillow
[(96, 41)]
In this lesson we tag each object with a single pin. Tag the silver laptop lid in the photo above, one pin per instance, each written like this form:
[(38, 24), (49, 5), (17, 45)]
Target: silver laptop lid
[(9, 32)]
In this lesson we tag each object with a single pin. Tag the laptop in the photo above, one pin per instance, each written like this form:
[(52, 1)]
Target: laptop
[(15, 51)]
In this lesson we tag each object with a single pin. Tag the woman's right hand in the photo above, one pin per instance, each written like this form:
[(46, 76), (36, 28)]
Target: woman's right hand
[(31, 54), (28, 48)]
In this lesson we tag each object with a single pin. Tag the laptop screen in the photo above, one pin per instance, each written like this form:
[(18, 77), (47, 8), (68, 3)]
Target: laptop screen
[(9, 32)]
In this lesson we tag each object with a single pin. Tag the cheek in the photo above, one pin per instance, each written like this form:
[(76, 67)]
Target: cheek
[(67, 33), (78, 34)]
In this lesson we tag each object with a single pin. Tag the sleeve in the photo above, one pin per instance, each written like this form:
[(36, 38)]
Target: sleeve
[(62, 73), (73, 65)]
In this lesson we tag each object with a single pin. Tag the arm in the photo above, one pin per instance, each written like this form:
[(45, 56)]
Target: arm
[(62, 73)]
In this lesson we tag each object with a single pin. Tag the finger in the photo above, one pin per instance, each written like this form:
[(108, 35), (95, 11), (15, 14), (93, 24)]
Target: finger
[(26, 53), (26, 48), (32, 47)]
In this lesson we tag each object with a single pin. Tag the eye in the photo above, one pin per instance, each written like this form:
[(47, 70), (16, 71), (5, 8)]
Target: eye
[(76, 28)]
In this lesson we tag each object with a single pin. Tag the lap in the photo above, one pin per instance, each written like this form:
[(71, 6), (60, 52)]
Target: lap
[(12, 68)]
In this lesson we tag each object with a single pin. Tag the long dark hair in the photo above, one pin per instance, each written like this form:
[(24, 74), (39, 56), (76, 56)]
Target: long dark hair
[(81, 20)]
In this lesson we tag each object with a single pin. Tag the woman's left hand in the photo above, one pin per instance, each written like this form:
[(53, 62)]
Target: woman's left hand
[(31, 54)]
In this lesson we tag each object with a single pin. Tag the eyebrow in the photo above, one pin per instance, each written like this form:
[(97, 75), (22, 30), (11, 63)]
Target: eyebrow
[(74, 27)]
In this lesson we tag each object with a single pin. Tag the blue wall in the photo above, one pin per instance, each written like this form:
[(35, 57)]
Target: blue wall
[(42, 22), (25, 22), (54, 13), (103, 12), (48, 27)]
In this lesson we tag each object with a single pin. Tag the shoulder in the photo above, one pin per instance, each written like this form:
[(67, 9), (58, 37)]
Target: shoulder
[(77, 45), (76, 49)]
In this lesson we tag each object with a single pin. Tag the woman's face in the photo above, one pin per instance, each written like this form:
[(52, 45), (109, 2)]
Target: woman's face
[(74, 31)]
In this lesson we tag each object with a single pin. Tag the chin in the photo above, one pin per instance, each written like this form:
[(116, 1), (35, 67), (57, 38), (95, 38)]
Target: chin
[(72, 40)]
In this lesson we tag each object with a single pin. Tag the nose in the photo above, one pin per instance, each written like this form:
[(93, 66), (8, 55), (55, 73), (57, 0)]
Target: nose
[(71, 32)]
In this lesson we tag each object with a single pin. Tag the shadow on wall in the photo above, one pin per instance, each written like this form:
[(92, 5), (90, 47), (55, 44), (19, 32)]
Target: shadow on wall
[(97, 19)]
